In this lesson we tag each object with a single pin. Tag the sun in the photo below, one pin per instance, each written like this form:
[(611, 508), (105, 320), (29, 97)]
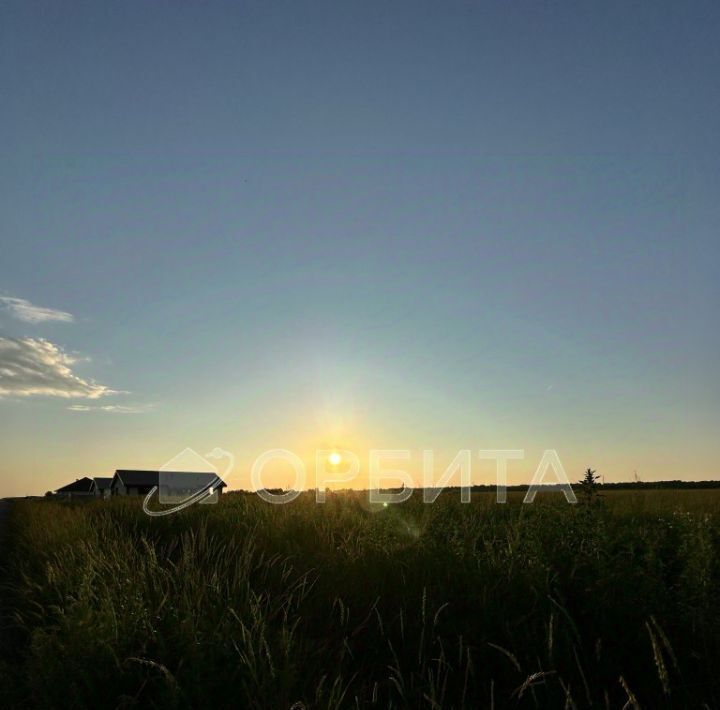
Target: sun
[(334, 458)]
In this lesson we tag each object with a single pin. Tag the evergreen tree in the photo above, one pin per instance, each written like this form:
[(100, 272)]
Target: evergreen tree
[(589, 486)]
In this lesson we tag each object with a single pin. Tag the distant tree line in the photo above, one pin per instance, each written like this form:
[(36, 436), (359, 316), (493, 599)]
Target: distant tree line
[(625, 485)]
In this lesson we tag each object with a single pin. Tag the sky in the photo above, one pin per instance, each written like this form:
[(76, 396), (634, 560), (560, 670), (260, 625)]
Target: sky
[(391, 225)]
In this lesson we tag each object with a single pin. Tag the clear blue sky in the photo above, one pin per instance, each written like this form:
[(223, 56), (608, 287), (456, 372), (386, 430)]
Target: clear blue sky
[(422, 224)]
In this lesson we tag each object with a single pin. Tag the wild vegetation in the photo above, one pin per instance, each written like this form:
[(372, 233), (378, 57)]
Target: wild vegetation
[(609, 603)]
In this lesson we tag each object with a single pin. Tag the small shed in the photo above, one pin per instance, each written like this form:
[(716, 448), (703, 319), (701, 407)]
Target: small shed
[(102, 487)]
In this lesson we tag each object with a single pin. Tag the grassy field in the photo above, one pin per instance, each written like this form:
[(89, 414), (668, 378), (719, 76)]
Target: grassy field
[(250, 605)]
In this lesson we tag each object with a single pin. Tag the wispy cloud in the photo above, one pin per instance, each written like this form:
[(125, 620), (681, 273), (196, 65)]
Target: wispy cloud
[(30, 313), (111, 408), (35, 366)]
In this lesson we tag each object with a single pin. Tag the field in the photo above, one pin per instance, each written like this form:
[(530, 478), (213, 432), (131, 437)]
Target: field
[(249, 605)]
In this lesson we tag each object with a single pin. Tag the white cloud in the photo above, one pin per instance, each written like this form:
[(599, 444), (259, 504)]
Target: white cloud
[(112, 408), (34, 366), (30, 313)]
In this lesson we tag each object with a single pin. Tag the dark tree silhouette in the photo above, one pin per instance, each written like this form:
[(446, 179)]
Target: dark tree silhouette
[(589, 487)]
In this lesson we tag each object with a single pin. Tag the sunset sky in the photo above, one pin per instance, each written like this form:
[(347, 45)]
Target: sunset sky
[(300, 225)]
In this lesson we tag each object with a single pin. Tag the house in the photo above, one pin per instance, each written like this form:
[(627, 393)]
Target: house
[(174, 486), (102, 487), (81, 488)]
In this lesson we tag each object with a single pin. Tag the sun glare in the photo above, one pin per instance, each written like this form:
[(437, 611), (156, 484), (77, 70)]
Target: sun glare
[(334, 458)]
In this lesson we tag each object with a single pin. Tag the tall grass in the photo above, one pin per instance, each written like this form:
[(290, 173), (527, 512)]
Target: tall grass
[(245, 604)]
